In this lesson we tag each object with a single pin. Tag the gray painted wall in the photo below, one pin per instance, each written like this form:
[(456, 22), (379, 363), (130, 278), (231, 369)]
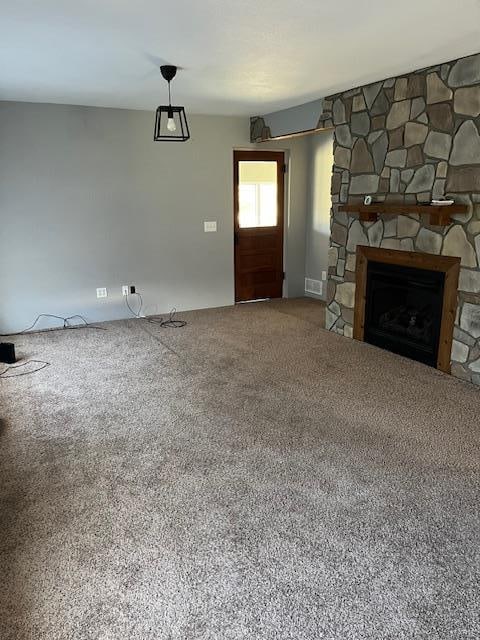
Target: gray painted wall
[(88, 200), (296, 184), (320, 164)]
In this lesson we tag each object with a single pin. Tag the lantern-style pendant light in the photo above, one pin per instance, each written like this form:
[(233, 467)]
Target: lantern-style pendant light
[(170, 122)]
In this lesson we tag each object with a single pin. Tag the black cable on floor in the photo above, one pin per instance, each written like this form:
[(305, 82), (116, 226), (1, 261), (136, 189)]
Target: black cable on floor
[(65, 321), (158, 320), (170, 322), (42, 364)]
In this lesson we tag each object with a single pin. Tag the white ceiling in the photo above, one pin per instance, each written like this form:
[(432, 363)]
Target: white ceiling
[(240, 57)]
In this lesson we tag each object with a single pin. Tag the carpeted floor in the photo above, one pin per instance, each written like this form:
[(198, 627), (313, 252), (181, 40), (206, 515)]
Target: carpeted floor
[(250, 476)]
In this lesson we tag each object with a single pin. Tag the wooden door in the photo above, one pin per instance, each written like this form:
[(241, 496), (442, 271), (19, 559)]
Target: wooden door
[(258, 223)]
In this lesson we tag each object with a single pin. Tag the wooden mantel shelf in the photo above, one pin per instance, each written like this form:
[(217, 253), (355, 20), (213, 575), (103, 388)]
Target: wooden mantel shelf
[(440, 216)]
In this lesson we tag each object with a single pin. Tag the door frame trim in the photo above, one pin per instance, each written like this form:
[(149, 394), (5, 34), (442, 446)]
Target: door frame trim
[(259, 155)]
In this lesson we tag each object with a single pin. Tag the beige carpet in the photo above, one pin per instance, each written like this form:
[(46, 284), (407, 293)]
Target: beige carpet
[(250, 476)]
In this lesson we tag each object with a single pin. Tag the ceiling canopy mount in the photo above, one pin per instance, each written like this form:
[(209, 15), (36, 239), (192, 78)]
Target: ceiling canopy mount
[(168, 71)]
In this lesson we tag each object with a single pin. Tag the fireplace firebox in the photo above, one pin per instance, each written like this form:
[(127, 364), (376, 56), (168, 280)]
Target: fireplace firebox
[(406, 302), (403, 310)]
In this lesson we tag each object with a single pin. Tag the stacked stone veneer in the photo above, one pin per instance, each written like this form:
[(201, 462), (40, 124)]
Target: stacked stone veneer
[(409, 139), (259, 132)]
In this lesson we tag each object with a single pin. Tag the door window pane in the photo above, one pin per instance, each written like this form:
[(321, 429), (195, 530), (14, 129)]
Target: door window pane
[(257, 194)]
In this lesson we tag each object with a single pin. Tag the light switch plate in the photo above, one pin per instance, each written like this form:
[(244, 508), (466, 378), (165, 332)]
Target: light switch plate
[(210, 226), (101, 292)]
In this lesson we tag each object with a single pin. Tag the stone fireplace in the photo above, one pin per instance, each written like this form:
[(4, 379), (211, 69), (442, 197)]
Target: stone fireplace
[(405, 141)]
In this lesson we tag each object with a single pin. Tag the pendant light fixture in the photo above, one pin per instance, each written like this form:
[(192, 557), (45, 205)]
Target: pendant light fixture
[(170, 122)]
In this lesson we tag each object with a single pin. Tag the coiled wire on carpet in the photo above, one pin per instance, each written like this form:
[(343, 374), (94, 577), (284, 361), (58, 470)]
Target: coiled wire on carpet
[(170, 322)]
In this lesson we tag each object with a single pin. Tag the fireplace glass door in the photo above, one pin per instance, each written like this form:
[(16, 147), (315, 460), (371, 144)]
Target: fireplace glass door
[(403, 310)]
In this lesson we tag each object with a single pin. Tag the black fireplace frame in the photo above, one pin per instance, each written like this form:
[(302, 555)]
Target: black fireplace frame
[(448, 265), (404, 310)]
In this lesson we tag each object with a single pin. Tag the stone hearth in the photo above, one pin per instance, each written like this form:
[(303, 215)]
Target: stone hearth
[(408, 140)]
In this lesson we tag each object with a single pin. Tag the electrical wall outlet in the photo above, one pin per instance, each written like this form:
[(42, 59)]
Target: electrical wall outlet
[(132, 289), (102, 292), (125, 289), (210, 226)]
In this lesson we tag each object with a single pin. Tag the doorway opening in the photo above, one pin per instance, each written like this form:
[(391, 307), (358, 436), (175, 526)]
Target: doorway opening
[(258, 224)]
